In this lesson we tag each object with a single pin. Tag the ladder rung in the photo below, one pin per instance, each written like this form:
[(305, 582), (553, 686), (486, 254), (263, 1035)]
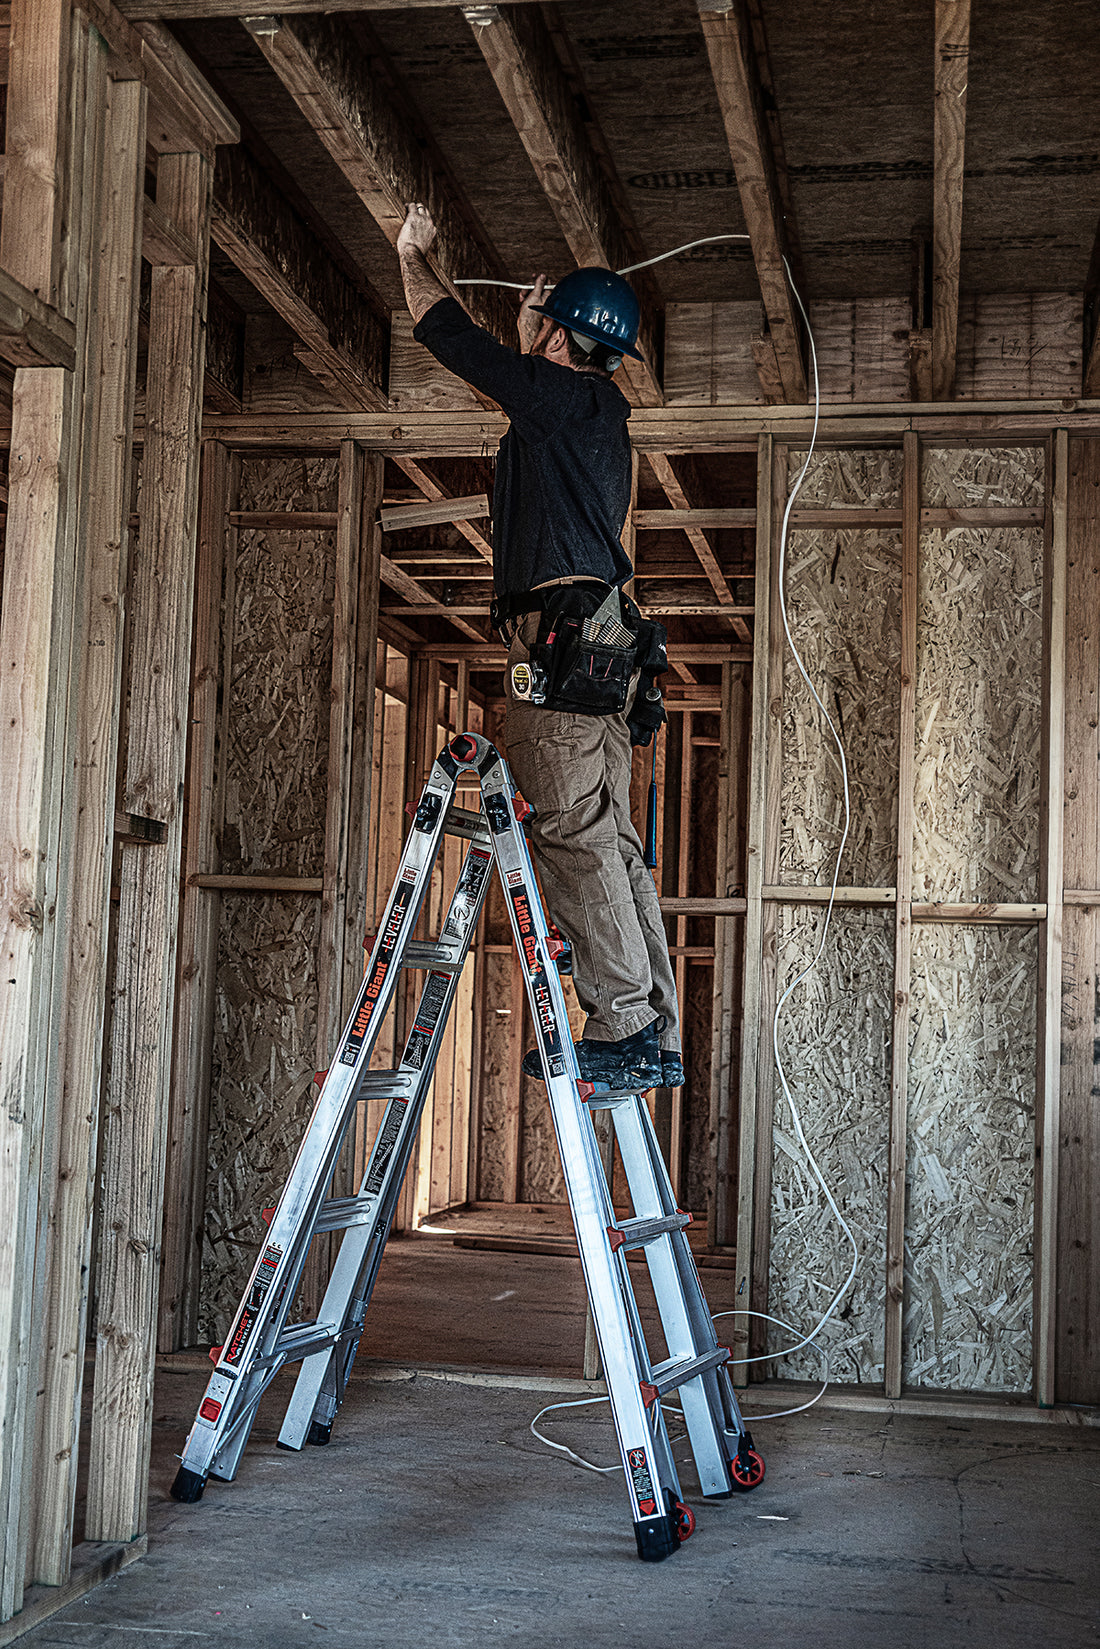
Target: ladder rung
[(461, 822), (637, 1233), (384, 1084), (301, 1341), (669, 1376), (341, 1213), (612, 1097), (430, 953)]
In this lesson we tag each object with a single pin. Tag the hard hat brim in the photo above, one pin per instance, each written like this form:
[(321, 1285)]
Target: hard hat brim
[(614, 345)]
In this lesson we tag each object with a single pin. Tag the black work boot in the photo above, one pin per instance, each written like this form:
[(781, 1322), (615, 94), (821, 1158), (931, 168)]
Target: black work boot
[(632, 1062)]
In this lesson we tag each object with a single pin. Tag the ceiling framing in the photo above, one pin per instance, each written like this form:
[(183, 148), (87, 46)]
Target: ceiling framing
[(838, 141)]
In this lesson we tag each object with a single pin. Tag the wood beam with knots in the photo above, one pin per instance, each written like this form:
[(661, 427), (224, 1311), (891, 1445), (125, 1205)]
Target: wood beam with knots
[(320, 61), (949, 149), (342, 337), (727, 33), (520, 55)]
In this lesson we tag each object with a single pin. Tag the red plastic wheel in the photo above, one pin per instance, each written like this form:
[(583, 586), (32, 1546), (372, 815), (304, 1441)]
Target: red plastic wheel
[(685, 1520), (747, 1472)]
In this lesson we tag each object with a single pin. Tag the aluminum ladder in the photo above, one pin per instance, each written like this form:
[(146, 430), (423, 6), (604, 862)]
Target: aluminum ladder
[(261, 1340)]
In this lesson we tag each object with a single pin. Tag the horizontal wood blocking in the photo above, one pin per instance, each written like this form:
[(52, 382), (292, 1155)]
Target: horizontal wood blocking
[(259, 884), (431, 512)]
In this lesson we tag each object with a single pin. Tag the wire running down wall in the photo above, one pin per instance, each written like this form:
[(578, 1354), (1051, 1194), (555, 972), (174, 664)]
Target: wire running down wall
[(967, 1130)]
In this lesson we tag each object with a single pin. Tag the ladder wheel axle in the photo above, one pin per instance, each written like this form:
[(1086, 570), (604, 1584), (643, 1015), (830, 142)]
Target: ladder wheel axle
[(747, 1470), (188, 1486)]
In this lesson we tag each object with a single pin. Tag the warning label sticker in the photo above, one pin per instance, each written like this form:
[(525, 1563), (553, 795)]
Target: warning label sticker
[(432, 1000), (642, 1482), (383, 1148)]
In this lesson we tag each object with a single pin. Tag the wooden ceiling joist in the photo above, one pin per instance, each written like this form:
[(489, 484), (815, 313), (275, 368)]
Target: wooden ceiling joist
[(669, 481), (184, 112), (727, 33), (949, 147), (397, 579), (321, 63), (520, 55), (343, 337)]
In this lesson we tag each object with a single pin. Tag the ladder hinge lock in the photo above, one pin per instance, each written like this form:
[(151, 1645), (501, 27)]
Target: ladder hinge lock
[(428, 812), (498, 815)]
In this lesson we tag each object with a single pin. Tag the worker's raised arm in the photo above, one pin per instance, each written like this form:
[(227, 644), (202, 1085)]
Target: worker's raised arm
[(423, 288)]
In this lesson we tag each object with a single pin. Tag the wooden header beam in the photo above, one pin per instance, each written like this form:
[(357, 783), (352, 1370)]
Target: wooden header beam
[(949, 143), (520, 54), (185, 114), (173, 10), (344, 339), (725, 28), (665, 430), (320, 61)]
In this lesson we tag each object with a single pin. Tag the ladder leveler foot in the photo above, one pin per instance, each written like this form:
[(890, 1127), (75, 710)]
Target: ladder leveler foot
[(319, 1433), (188, 1486), (658, 1537)]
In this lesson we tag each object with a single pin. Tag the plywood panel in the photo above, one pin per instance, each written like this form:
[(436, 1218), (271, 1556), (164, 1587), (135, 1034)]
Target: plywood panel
[(1024, 344), (855, 478), (971, 1153), (265, 1030), (843, 591), (843, 599), (954, 477), (834, 1036), (276, 758), (979, 699)]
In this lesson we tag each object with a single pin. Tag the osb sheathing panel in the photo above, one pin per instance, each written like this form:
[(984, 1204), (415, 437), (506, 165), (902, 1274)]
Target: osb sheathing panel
[(979, 660), (834, 1037), (265, 1025), (278, 655), (971, 1159), (843, 591), (982, 476)]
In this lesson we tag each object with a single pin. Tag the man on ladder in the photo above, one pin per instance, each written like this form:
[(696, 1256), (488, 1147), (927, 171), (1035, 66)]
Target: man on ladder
[(579, 686)]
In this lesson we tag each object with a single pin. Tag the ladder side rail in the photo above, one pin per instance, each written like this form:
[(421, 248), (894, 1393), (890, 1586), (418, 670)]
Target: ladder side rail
[(648, 1465), (322, 1378), (223, 1420)]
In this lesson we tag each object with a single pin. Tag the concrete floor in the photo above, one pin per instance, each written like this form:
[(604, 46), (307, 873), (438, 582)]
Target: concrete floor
[(435, 1518)]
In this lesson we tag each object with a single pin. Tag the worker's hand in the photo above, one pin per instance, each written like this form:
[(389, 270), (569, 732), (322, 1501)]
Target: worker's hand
[(417, 231), (530, 324)]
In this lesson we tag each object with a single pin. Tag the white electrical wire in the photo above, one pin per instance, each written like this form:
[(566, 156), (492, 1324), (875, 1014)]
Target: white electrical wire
[(810, 1338), (631, 268)]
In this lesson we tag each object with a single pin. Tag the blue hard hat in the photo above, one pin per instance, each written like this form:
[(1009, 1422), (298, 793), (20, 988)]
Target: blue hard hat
[(598, 304)]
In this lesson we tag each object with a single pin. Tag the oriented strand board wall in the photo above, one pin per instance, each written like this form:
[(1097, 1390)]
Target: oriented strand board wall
[(843, 593), (834, 1036), (972, 1034), (277, 629), (971, 1159), (979, 691)]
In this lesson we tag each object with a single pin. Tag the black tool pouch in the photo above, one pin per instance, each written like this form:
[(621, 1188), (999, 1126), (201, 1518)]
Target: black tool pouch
[(583, 676)]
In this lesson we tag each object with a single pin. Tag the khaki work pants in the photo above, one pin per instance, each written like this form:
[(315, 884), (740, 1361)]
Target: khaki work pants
[(575, 772)]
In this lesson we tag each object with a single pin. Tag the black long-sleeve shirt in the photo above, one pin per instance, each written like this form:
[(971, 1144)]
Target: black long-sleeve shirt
[(562, 485)]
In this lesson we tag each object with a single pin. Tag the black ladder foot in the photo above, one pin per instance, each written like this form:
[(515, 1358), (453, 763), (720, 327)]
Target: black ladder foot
[(188, 1486), (657, 1538), (319, 1433)]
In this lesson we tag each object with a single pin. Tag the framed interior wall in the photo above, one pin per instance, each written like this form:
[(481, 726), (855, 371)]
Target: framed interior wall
[(924, 585)]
